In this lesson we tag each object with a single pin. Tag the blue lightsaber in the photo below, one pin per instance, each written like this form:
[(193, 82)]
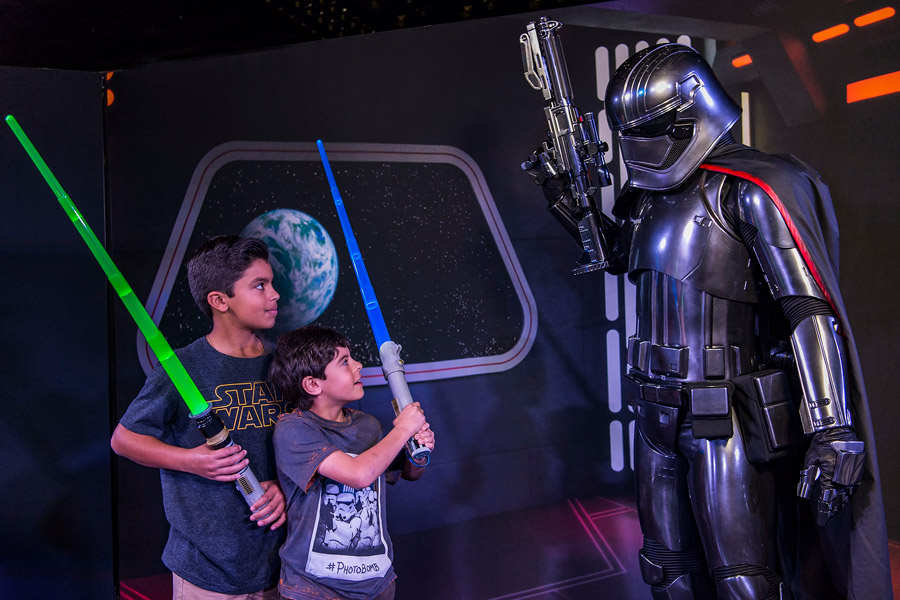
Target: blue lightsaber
[(389, 351)]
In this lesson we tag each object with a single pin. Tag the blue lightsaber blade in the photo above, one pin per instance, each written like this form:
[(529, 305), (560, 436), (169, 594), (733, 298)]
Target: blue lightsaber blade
[(389, 351)]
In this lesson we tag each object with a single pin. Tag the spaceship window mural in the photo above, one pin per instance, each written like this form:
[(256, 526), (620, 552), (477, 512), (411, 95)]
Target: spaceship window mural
[(437, 254)]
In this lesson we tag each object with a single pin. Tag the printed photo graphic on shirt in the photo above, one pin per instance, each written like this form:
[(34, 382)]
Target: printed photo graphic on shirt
[(348, 542)]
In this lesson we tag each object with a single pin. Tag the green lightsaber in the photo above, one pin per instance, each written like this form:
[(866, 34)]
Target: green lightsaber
[(155, 339), (207, 420)]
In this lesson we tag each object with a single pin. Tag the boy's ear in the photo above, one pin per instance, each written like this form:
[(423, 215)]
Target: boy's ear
[(311, 385), (218, 301)]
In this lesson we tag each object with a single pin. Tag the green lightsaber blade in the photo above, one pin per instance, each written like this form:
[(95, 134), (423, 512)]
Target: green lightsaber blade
[(183, 382)]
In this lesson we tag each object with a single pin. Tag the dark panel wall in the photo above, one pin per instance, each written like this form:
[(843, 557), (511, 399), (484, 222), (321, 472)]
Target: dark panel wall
[(55, 480)]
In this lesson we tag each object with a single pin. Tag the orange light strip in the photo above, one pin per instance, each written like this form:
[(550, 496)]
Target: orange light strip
[(741, 61), (831, 32), (874, 16), (873, 87)]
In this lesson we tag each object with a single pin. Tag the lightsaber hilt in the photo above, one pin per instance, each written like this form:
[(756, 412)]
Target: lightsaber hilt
[(167, 358), (217, 436), (392, 367), (389, 351)]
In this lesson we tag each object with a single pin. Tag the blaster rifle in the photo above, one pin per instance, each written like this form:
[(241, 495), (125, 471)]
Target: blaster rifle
[(573, 148)]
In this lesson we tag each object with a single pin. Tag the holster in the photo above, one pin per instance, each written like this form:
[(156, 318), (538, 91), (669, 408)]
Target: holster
[(768, 415), (709, 404)]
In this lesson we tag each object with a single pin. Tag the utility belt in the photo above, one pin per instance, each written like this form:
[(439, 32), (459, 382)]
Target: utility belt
[(766, 410)]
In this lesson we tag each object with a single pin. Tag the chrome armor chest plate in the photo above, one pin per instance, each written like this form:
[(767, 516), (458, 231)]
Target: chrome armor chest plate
[(697, 289)]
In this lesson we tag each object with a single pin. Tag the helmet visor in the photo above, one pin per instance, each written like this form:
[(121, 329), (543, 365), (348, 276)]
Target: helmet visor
[(650, 152)]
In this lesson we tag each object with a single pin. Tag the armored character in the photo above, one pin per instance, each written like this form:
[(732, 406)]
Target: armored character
[(741, 370)]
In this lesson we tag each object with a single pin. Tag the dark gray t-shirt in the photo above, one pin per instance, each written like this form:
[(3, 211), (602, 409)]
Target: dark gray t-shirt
[(337, 540), (212, 542)]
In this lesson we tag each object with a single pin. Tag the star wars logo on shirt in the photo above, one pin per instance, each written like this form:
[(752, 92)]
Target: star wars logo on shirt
[(253, 404), (348, 542)]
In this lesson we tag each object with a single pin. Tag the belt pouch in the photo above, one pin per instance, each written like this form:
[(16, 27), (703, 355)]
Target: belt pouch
[(767, 414), (658, 411), (711, 409)]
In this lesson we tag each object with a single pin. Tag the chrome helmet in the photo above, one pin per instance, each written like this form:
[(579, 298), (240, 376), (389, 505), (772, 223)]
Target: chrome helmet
[(669, 112)]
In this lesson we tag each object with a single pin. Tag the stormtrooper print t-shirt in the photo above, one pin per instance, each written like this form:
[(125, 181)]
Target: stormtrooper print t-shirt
[(337, 539)]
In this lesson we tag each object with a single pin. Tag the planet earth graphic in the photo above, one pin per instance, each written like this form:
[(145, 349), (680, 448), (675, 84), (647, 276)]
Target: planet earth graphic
[(304, 264)]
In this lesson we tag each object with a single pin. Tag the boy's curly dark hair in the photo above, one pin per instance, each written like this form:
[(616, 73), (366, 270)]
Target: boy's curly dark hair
[(301, 353)]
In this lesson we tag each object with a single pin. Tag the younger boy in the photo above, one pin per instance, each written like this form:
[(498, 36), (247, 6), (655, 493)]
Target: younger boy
[(331, 462), (217, 547)]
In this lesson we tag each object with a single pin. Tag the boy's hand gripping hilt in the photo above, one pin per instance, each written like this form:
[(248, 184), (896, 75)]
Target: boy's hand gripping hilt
[(217, 436)]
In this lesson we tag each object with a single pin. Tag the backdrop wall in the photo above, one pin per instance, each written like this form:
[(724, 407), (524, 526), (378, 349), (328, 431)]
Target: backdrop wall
[(57, 516), (542, 428)]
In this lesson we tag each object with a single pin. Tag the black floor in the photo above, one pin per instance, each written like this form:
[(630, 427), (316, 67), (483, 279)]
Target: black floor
[(582, 549)]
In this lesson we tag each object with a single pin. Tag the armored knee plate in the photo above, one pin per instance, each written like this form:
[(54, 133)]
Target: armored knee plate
[(748, 582), (675, 575), (683, 588)]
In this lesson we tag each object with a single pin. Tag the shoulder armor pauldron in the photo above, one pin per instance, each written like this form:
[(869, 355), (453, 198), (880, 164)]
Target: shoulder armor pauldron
[(765, 230)]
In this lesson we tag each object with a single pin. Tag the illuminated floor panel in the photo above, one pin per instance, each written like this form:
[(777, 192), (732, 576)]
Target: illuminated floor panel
[(585, 548)]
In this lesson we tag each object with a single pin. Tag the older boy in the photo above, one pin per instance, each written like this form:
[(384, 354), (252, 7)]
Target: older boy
[(214, 551), (331, 462)]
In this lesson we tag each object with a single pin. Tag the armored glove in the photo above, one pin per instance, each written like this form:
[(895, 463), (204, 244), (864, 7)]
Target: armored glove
[(561, 204), (541, 171), (834, 466), (556, 191)]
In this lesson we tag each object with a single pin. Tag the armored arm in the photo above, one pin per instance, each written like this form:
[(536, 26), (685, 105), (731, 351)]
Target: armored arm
[(835, 459), (573, 151)]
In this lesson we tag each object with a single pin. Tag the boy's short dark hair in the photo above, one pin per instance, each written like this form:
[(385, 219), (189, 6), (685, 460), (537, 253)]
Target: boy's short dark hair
[(301, 353), (219, 263)]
